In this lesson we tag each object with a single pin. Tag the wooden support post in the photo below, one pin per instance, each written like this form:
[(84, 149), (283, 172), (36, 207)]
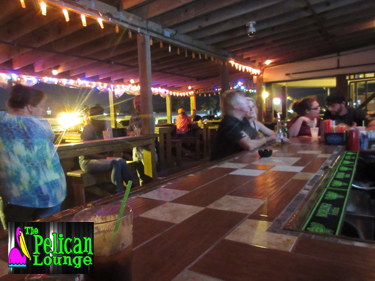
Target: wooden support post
[(284, 95), (168, 101), (112, 111), (342, 86), (193, 102), (144, 65), (259, 97), (224, 74)]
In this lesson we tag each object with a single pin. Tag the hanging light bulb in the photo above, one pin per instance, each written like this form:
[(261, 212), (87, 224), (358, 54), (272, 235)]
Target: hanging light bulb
[(170, 48), (83, 18), (66, 15), (117, 29), (151, 41), (23, 5), (200, 56), (205, 56), (178, 51), (130, 35), (185, 53), (43, 7), (193, 55), (212, 58), (100, 21), (161, 44)]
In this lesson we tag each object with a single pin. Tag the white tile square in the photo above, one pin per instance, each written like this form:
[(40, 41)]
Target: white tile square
[(277, 160), (237, 204), (309, 152), (323, 156), (165, 194), (283, 168), (188, 275), (232, 165), (248, 172), (254, 232), (172, 212)]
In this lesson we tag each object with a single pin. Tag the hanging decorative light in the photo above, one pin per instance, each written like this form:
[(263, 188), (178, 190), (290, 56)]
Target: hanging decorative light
[(161, 44), (43, 8), (178, 51), (117, 28), (151, 41), (83, 19), (200, 56), (23, 5), (185, 53), (100, 21), (170, 48), (66, 15), (193, 55), (130, 35)]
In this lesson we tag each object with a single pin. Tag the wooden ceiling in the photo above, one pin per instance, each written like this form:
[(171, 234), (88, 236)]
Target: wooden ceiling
[(286, 31)]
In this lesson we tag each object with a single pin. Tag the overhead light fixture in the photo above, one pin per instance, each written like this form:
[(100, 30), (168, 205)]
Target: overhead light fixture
[(100, 21), (276, 101), (268, 62), (43, 7), (55, 72), (189, 87), (23, 5), (251, 29), (131, 81), (265, 95)]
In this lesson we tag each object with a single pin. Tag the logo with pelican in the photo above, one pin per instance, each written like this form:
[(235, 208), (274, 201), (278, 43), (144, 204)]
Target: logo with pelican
[(17, 258)]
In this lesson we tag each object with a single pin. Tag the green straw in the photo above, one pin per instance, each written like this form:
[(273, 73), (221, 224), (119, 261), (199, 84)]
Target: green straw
[(122, 208)]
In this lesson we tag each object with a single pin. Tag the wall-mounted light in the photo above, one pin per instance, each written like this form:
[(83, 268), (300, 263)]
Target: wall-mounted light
[(265, 95), (276, 101)]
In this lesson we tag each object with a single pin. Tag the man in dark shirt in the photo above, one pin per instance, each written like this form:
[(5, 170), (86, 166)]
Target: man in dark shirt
[(231, 137), (194, 117), (337, 110)]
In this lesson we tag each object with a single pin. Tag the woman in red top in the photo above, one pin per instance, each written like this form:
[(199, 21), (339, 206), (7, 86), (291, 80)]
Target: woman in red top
[(308, 111)]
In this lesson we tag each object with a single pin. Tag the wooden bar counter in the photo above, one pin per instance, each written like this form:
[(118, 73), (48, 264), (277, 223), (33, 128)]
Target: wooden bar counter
[(225, 222)]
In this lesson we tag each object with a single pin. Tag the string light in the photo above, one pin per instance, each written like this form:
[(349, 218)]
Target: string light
[(244, 68), (170, 48), (212, 58), (83, 19), (23, 5), (193, 55), (43, 7), (185, 53), (178, 51), (117, 28), (161, 44), (205, 56), (200, 56), (151, 41), (130, 35), (100, 21), (66, 15)]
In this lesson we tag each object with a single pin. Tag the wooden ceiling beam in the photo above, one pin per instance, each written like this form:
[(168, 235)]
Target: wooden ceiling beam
[(224, 14), (106, 45), (112, 15), (158, 7), (335, 27), (279, 14), (191, 11), (127, 4)]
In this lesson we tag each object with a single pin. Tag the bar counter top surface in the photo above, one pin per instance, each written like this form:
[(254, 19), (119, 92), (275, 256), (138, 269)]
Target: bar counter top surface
[(225, 222)]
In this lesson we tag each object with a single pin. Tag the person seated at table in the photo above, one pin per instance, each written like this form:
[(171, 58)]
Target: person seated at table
[(231, 137), (256, 126), (100, 162), (32, 180), (196, 118), (182, 122), (308, 111), (352, 117)]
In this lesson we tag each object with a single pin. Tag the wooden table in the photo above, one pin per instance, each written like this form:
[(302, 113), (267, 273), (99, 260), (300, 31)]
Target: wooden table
[(225, 222), (115, 144)]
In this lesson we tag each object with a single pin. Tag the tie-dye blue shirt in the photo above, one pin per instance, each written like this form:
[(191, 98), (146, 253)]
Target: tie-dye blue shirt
[(30, 171)]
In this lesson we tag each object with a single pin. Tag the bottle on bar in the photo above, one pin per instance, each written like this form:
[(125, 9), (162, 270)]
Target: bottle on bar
[(279, 130)]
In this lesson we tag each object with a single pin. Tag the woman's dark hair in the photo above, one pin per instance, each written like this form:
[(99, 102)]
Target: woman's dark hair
[(301, 106), (99, 125), (21, 96)]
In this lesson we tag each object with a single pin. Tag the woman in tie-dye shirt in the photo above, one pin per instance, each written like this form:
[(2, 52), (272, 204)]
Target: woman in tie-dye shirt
[(32, 181)]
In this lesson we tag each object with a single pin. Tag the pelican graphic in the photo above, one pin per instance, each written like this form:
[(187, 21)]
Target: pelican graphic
[(15, 257)]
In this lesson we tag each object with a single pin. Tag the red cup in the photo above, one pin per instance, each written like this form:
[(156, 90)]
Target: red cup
[(353, 140)]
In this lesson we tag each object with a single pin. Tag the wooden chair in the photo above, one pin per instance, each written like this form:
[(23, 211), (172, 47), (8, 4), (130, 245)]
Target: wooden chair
[(209, 133), (81, 180), (166, 143)]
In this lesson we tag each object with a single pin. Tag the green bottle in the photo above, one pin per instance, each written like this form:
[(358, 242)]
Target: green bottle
[(343, 168), (286, 131)]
